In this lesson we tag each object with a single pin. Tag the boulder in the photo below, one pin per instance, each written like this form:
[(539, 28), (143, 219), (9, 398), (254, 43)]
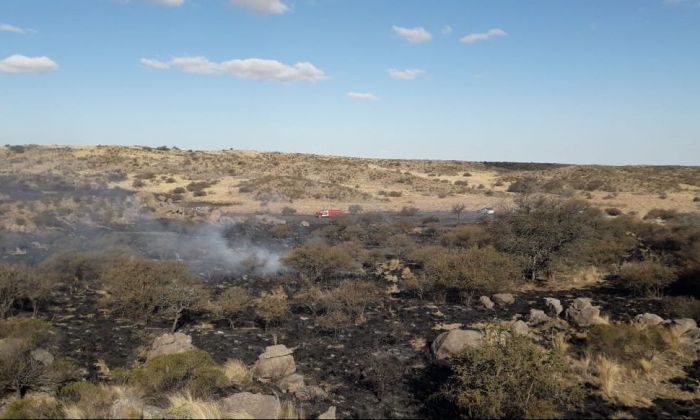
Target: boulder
[(537, 317), (310, 392), (42, 356), (519, 328), (582, 313), (487, 302), (257, 406), (305, 223), (170, 344), (291, 383), (277, 362), (554, 307), (685, 327), (503, 299), (328, 414), (452, 342), (647, 320)]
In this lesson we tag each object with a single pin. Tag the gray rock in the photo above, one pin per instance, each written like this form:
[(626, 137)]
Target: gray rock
[(258, 406), (503, 299), (685, 327), (487, 302), (310, 392), (554, 307), (453, 342), (537, 317), (519, 328), (647, 320), (291, 383), (170, 344), (276, 363), (583, 314), (328, 414), (42, 356)]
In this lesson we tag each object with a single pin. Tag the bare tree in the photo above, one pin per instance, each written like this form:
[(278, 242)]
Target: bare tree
[(458, 209), (229, 304)]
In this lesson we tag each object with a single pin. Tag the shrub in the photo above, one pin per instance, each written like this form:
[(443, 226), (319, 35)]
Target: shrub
[(272, 306), (11, 278), (458, 209), (193, 370), (508, 377), (646, 277), (197, 186), (179, 190), (138, 183), (682, 306), (355, 209), (288, 211), (663, 214), (33, 406), (696, 199), (525, 186), (627, 343), (613, 211), (320, 260), (407, 211), (355, 296), (237, 372), (229, 304)]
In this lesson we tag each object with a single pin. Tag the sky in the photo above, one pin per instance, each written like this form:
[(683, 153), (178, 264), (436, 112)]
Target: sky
[(596, 81)]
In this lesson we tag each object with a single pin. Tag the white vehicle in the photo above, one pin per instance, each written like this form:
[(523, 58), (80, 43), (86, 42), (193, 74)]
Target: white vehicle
[(487, 210)]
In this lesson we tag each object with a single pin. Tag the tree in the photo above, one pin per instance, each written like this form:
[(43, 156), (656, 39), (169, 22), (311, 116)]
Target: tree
[(231, 303), (272, 305), (457, 209), (184, 293), (11, 277), (319, 260)]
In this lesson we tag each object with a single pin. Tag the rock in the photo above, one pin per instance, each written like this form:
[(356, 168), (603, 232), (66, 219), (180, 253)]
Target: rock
[(42, 356), (305, 223), (291, 383), (519, 328), (537, 317), (503, 299), (583, 313), (276, 362), (452, 342), (487, 302), (647, 320), (258, 406), (328, 414), (685, 327), (554, 307), (310, 392), (170, 344)]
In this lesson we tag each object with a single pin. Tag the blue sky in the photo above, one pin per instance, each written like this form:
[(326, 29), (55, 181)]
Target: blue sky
[(595, 81)]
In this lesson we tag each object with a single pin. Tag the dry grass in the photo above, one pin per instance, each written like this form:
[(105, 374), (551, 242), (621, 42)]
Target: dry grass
[(237, 372), (561, 344), (291, 411), (184, 406), (608, 373)]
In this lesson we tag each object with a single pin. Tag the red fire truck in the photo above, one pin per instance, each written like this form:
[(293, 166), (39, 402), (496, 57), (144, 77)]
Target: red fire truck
[(326, 213)]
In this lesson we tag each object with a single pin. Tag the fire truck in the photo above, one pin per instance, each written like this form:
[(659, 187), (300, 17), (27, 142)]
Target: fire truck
[(328, 213)]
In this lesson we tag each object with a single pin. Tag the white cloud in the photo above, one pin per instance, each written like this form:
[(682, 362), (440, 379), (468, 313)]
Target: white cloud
[(249, 68), (408, 74), (6, 27), (169, 3), (268, 7), (446, 30), (20, 64), (413, 35), (358, 96), (483, 36)]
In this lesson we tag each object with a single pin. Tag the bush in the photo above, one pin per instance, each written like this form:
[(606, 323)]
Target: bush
[(320, 260), (483, 269), (355, 209), (33, 406), (355, 296), (229, 304), (198, 186), (508, 377), (613, 211), (138, 183), (272, 306), (179, 190), (408, 211), (627, 343), (682, 307), (646, 277), (288, 211), (193, 370), (663, 214)]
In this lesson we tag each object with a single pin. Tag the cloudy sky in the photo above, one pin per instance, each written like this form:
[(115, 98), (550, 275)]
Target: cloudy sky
[(594, 81)]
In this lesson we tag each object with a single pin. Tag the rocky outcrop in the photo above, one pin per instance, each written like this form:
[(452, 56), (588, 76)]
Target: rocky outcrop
[(503, 299), (647, 320), (275, 363), (310, 392), (42, 356), (519, 328), (537, 317), (257, 406), (291, 383), (453, 342), (583, 314), (170, 344), (486, 302), (685, 328), (554, 307)]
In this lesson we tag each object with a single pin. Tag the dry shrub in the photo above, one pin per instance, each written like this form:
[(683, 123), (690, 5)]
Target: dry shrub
[(18, 282), (682, 306), (237, 372), (193, 370), (320, 260), (509, 376), (291, 411), (33, 406), (608, 373), (355, 296), (646, 277), (87, 400), (271, 306), (184, 406), (230, 303), (627, 344)]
